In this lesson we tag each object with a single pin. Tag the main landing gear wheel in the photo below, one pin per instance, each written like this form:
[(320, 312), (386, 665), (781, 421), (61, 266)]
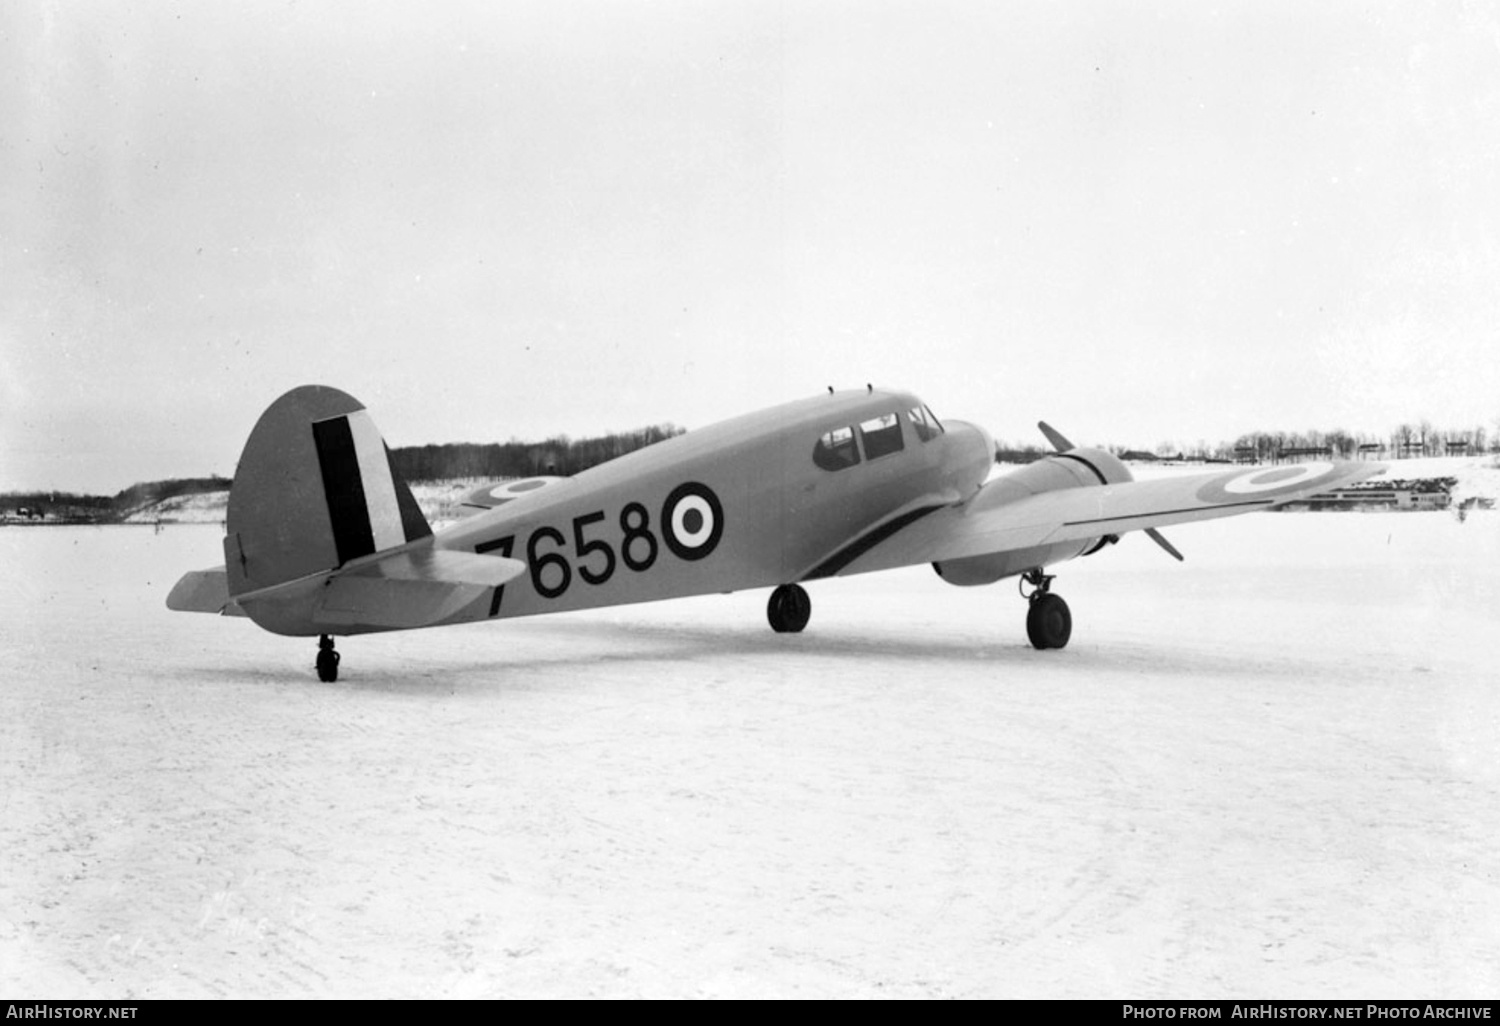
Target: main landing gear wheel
[(328, 660), (789, 609), (1049, 623)]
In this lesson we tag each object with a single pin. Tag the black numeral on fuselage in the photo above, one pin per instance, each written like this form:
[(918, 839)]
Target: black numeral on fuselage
[(584, 548), (540, 561), (505, 546), (596, 560), (639, 531)]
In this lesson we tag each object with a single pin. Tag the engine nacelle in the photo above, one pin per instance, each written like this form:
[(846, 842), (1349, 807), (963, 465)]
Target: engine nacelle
[(996, 566), (1076, 468)]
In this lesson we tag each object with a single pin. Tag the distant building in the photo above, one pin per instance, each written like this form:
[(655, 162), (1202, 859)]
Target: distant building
[(1305, 452)]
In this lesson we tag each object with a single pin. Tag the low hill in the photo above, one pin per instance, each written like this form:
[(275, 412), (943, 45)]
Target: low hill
[(438, 500)]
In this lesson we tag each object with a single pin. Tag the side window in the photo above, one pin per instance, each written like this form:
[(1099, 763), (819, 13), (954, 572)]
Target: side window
[(836, 450), (882, 436), (920, 424)]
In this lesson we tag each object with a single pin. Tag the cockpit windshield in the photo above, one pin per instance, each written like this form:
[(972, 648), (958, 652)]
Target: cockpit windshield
[(923, 424), (882, 436), (871, 439)]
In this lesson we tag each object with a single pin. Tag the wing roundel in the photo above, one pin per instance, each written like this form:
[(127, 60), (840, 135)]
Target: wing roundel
[(1270, 484)]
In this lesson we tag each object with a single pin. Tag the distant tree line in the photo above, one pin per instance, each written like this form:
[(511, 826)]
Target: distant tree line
[(559, 455), (1404, 441), (59, 505), (1018, 452)]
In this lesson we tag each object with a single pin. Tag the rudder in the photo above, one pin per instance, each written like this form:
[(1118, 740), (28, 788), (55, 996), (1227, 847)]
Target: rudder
[(314, 489)]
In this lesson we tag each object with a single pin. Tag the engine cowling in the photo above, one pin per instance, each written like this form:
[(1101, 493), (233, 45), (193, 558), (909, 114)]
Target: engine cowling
[(1076, 468)]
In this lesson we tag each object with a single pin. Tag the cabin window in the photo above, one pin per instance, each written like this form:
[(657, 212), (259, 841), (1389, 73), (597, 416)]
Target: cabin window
[(920, 425), (836, 450), (882, 436)]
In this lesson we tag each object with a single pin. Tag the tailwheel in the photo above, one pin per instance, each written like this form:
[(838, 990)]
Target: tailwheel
[(1049, 623), (789, 609), (328, 660)]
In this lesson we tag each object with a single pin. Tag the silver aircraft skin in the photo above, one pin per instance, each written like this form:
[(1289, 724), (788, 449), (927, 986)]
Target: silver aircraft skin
[(323, 537)]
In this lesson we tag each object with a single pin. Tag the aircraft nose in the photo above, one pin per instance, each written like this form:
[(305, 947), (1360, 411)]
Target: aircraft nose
[(973, 442)]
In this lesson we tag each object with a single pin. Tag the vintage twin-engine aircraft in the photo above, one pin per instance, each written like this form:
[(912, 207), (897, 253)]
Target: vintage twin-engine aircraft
[(323, 536)]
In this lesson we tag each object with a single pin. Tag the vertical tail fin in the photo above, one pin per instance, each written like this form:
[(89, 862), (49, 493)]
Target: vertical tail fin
[(314, 489)]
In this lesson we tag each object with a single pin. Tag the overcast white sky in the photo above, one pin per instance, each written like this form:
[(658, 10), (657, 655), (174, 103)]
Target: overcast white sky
[(1141, 222)]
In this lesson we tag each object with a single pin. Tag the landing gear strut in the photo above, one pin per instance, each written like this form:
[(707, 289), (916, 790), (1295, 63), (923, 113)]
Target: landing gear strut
[(1049, 624), (789, 609), (328, 660)]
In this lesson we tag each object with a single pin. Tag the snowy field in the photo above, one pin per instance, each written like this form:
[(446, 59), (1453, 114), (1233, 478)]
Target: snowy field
[(1272, 771)]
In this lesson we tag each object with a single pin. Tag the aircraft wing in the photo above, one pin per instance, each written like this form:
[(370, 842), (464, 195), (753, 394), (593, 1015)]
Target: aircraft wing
[(489, 496), (978, 528)]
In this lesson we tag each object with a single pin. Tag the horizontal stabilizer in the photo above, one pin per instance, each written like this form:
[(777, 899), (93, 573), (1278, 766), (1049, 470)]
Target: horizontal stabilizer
[(440, 566), (411, 589), (204, 591), (414, 587), (392, 603)]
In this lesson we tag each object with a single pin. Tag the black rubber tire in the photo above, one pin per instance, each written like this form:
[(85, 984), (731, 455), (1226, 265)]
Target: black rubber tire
[(789, 609), (1049, 622), (774, 615), (328, 665), (798, 608)]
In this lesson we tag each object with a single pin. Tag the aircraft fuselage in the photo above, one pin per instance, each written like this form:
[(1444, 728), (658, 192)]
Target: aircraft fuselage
[(740, 504)]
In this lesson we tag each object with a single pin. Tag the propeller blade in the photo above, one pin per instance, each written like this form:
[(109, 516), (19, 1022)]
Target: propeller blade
[(1059, 443), (1156, 536)]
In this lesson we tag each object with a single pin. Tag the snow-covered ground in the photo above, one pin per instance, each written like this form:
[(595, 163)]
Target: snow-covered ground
[(1272, 771)]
